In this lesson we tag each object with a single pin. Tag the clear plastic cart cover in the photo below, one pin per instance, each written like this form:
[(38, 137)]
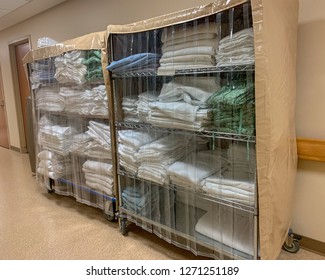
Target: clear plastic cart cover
[(71, 120), (223, 73)]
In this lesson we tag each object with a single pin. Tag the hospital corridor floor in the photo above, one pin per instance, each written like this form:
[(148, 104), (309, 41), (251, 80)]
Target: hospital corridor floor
[(37, 225)]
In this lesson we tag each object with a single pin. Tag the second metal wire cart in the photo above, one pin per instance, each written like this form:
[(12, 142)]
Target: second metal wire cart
[(188, 166)]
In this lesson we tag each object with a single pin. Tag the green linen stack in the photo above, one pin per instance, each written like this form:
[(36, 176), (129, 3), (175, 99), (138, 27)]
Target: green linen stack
[(233, 108), (94, 65)]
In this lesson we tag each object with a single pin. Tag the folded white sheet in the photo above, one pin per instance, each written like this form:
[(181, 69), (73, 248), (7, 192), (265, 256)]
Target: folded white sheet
[(176, 110), (99, 187), (228, 226), (105, 180), (192, 90), (136, 139), (231, 190), (196, 167), (172, 33), (192, 44), (188, 38), (205, 50), (98, 167)]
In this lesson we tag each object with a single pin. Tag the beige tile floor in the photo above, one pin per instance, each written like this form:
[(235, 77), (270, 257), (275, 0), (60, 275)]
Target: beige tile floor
[(36, 225)]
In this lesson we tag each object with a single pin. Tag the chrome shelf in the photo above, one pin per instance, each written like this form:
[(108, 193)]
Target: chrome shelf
[(208, 70), (74, 115), (205, 133), (203, 195)]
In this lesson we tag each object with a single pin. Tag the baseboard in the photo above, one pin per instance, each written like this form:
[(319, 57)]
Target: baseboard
[(15, 149), (312, 245)]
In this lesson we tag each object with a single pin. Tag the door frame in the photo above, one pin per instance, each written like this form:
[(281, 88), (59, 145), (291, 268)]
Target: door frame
[(14, 72), (5, 107)]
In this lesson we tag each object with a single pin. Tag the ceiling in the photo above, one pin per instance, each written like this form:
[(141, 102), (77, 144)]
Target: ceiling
[(15, 11)]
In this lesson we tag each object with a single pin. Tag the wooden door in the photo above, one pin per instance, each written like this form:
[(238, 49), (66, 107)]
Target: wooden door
[(4, 142), (21, 50)]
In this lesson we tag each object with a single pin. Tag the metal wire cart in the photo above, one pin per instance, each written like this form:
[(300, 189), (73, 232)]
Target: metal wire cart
[(71, 121), (204, 126)]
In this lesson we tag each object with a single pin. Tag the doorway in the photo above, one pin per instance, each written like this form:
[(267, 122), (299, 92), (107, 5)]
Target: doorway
[(4, 140), (17, 51)]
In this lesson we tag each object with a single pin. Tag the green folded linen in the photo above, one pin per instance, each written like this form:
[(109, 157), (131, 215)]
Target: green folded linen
[(94, 65), (233, 108)]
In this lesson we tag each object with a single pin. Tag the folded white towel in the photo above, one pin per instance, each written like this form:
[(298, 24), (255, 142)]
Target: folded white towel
[(98, 167)]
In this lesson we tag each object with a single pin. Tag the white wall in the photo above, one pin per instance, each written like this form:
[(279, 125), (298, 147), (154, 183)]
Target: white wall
[(309, 202), (78, 17)]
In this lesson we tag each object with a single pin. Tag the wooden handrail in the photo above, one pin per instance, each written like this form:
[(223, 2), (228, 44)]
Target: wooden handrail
[(311, 149)]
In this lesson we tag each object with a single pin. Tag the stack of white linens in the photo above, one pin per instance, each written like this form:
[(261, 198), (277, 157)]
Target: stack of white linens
[(229, 226), (100, 146), (181, 103), (53, 165), (237, 49), (70, 68), (99, 176), (85, 102), (80, 143), (188, 48), (49, 99), (237, 183), (129, 143), (130, 109), (196, 167), (56, 138), (42, 72), (155, 158), (143, 105), (230, 189)]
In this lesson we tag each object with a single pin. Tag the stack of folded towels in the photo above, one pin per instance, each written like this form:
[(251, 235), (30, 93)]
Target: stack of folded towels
[(56, 138), (188, 48), (237, 183), (130, 109), (130, 142), (85, 102), (197, 166), (100, 146), (182, 103), (99, 176), (79, 143), (49, 99), (42, 72), (70, 68), (52, 165), (237, 49), (143, 109), (155, 157)]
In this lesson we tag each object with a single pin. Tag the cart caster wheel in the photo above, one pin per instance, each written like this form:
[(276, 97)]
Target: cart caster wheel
[(50, 191), (123, 228), (110, 218), (292, 248)]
